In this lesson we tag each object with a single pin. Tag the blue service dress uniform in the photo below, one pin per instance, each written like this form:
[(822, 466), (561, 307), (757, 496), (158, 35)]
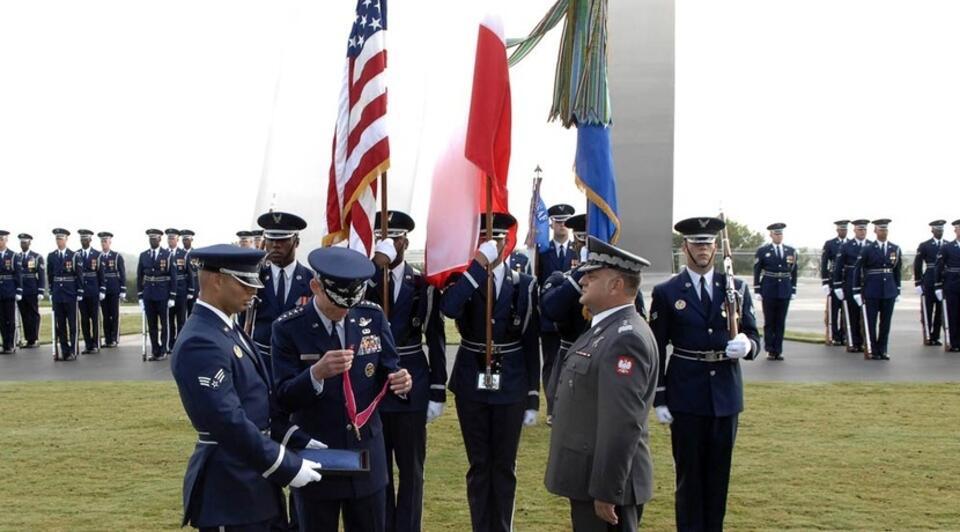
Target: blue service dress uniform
[(703, 390), (271, 306), (520, 263), (64, 276), (491, 421), (34, 279), (90, 305), (775, 279), (924, 264), (843, 278), (114, 282), (194, 289), (556, 258), (239, 464), (414, 315), (300, 337), (156, 286), (947, 275), (10, 288), (876, 277), (828, 261), (177, 314)]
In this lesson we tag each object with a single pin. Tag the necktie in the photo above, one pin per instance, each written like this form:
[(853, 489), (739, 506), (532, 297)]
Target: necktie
[(779, 254), (335, 336), (560, 252), (281, 291), (704, 294)]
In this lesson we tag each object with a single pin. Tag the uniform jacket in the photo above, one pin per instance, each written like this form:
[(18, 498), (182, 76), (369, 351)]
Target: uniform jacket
[(828, 258), (560, 304), (267, 308), (64, 276), (947, 270), (156, 279), (843, 267), (775, 277), (92, 273), (114, 273), (181, 269), (33, 273), (877, 275), (927, 253), (10, 275)]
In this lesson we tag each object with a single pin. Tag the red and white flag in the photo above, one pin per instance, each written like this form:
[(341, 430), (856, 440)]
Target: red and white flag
[(479, 150), (361, 149)]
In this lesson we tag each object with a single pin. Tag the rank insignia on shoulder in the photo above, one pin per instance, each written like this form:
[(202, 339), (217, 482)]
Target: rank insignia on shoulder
[(624, 365), (237, 351), (680, 304), (212, 382)]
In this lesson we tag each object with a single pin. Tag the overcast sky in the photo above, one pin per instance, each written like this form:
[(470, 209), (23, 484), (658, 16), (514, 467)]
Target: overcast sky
[(123, 115)]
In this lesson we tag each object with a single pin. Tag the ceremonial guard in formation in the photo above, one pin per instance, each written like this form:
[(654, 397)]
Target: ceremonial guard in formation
[(181, 272), (775, 284), (34, 282), (245, 239), (334, 359), (599, 449), (828, 262), (843, 285), (11, 292), (240, 461), (414, 313), (186, 237), (156, 292), (876, 287), (931, 311), (115, 283), (92, 294), (519, 262), (700, 392), (66, 285), (494, 398), (257, 238), (947, 288)]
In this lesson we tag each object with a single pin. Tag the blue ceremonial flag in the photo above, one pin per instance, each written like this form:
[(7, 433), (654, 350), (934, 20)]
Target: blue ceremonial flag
[(543, 226), (594, 169)]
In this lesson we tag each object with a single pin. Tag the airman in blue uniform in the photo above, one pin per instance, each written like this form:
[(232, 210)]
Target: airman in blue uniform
[(843, 284), (414, 313), (240, 461), (519, 262), (334, 352), (156, 291), (34, 278), (494, 405), (775, 284), (876, 287), (115, 284), (177, 314), (186, 236), (828, 261), (245, 239), (701, 390), (931, 310), (947, 286), (257, 238), (93, 293), (11, 292), (64, 276)]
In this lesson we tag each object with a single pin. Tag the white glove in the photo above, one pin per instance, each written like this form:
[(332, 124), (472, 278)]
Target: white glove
[(489, 250), (102, 296), (858, 299), (387, 247), (939, 293), (663, 415), (171, 303), (897, 300), (839, 293), (315, 444), (583, 254), (826, 289), (306, 474), (18, 297), (918, 289), (79, 298), (529, 418), (793, 296), (757, 296), (189, 297), (738, 347), (39, 297), (143, 307), (434, 410), (123, 296)]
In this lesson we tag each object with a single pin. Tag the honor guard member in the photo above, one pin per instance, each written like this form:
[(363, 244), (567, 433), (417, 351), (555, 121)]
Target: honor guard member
[(492, 411), (245, 239), (560, 302), (193, 288), (257, 238), (947, 287), (414, 314), (924, 264), (115, 281), (234, 478), (843, 285), (178, 312), (701, 391), (828, 260), (876, 287), (520, 262), (156, 291), (92, 294), (774, 285), (11, 292), (329, 354), (34, 279), (66, 283), (599, 450)]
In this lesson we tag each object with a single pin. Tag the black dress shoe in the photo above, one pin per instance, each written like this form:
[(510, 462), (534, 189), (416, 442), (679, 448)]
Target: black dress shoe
[(837, 343), (6, 352), (86, 352), (934, 342), (884, 356), (779, 356), (955, 350), (854, 350), (30, 345)]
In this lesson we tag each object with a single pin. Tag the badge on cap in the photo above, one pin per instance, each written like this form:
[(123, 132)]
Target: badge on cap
[(624, 365), (680, 304), (237, 351), (369, 370)]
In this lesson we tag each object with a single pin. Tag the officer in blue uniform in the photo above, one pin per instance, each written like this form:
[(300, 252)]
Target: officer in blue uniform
[(876, 287), (11, 292), (64, 276), (924, 262), (115, 284), (239, 463), (258, 242), (828, 259), (947, 286), (414, 314), (775, 284), (245, 239), (317, 345), (92, 294), (193, 287), (34, 278), (156, 291), (519, 262), (843, 284), (701, 391), (177, 314), (493, 410)]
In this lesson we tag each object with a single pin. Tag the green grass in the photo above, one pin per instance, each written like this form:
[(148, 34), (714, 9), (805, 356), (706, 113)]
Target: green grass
[(109, 456), (129, 324)]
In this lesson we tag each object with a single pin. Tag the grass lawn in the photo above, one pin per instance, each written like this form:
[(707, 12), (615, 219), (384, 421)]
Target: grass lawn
[(110, 456), (129, 324)]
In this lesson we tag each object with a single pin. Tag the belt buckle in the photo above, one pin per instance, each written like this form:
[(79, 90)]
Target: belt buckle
[(492, 386), (712, 357)]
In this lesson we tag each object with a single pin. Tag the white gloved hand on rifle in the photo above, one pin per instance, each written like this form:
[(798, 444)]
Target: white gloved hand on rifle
[(939, 293), (918, 289), (839, 293), (738, 347), (858, 299), (826, 289)]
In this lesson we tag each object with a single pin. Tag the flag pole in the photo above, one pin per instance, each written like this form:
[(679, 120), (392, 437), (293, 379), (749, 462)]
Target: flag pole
[(534, 223), (487, 376), (383, 234)]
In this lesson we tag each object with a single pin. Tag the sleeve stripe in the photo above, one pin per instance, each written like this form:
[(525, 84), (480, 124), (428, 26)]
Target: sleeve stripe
[(437, 387), (576, 285), (276, 465), (290, 431), (471, 279), (533, 393), (526, 319)]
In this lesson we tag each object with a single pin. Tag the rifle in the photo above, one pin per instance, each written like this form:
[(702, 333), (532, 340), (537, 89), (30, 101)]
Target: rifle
[(924, 320), (867, 329), (18, 332), (827, 321), (55, 343), (946, 327), (143, 335), (250, 316), (732, 303)]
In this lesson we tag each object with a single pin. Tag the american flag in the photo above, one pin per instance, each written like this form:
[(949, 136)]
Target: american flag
[(361, 149)]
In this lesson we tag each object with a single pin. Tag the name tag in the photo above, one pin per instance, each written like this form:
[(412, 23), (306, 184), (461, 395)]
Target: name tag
[(310, 356)]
